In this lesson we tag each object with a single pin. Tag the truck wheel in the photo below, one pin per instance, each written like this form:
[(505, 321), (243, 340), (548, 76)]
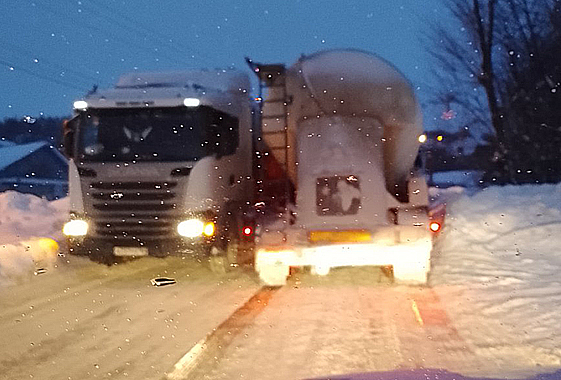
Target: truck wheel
[(413, 275), (73, 248), (224, 253), (218, 264), (274, 275), (232, 252), (223, 260), (218, 261)]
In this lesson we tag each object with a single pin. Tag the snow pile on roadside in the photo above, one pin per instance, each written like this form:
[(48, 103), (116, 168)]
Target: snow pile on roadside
[(498, 264), (447, 195), (28, 226)]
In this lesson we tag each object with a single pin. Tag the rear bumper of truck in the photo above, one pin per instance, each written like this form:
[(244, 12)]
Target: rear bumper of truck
[(410, 260)]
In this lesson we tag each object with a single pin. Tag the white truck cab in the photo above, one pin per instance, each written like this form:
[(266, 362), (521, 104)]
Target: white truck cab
[(161, 163)]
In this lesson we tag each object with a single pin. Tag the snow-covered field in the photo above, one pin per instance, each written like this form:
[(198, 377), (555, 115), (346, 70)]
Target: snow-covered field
[(30, 228), (497, 265)]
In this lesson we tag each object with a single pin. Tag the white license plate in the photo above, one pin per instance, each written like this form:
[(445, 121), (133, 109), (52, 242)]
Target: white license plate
[(130, 251)]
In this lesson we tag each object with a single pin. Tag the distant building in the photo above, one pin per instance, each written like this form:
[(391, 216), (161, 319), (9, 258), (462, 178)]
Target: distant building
[(34, 168), (453, 158), (455, 143)]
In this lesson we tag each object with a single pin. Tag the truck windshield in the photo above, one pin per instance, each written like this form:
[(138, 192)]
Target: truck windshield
[(157, 134)]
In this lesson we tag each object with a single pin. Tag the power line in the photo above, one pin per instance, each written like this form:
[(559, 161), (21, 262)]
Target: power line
[(37, 75), (134, 26), (86, 25), (15, 49), (119, 23), (148, 31)]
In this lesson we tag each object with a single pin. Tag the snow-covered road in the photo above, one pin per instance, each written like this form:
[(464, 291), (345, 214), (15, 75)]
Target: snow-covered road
[(491, 309), (83, 320), (348, 324), (344, 323)]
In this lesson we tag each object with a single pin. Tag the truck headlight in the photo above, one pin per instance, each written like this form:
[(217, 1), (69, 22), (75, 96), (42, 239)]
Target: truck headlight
[(75, 227), (191, 228), (80, 105), (195, 227), (191, 102)]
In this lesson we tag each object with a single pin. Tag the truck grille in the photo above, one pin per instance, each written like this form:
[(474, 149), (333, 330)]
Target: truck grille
[(134, 212)]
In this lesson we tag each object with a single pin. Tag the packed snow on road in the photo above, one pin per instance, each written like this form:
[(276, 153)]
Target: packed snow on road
[(490, 310), (64, 316)]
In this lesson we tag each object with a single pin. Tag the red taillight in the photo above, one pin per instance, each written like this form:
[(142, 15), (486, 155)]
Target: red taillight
[(434, 226), (247, 231)]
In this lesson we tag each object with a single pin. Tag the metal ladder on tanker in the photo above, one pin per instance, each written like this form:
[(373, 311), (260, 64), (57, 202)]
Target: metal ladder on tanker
[(274, 120)]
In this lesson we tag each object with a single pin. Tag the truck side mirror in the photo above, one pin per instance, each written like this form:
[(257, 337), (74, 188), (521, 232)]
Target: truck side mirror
[(224, 136), (68, 131), (214, 140)]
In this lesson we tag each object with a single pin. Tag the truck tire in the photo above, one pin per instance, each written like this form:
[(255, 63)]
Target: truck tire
[(74, 248), (232, 252), (217, 260), (223, 260), (274, 275), (218, 264)]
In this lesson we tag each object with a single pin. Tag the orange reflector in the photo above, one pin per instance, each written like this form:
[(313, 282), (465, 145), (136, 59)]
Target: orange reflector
[(346, 236), (48, 244), (435, 226), (247, 231), (209, 229)]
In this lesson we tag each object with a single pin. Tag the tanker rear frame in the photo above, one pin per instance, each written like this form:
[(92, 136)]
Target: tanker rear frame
[(344, 215)]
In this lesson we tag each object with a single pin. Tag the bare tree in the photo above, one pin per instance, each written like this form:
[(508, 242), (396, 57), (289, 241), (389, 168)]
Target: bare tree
[(465, 57), (533, 72), (479, 56)]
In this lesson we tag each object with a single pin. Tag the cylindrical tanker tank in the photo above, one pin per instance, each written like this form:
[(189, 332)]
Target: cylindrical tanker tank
[(354, 83), (347, 125)]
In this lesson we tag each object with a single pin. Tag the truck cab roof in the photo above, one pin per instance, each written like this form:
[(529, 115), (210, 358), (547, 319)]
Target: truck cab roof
[(169, 89)]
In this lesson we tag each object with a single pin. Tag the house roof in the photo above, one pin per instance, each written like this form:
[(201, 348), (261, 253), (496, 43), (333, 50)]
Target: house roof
[(4, 143), (14, 153)]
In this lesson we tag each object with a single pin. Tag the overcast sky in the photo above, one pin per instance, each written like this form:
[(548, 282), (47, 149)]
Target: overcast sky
[(53, 52)]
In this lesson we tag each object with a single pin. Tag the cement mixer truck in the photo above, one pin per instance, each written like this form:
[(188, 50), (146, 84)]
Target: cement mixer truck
[(345, 126)]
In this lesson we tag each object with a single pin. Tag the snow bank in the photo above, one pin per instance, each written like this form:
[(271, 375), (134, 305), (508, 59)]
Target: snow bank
[(29, 229), (498, 262)]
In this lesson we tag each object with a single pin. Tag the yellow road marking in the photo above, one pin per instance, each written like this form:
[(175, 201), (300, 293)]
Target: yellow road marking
[(211, 348), (417, 313)]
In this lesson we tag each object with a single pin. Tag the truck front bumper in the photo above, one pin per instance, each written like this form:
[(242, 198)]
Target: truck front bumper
[(92, 246)]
